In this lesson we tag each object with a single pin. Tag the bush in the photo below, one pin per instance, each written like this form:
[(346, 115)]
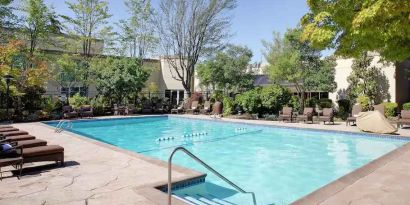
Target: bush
[(77, 101), (364, 101), (390, 109), (250, 100), (273, 98), (344, 108), (311, 102), (325, 103), (98, 105), (228, 105), (294, 103), (406, 106)]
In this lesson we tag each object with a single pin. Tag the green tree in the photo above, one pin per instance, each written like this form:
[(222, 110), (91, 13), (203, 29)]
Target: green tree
[(188, 30), (291, 60), (39, 23), (89, 21), (227, 70), (68, 72), (7, 18), (119, 78), (367, 80), (138, 31), (354, 27)]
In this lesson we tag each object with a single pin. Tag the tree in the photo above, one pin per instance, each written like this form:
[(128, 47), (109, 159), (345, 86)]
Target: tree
[(189, 30), (138, 31), (67, 72), (119, 78), (90, 18), (297, 62), (227, 70), (7, 18), (39, 23), (354, 27), (367, 80)]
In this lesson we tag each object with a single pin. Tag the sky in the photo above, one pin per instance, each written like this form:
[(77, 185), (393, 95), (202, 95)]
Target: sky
[(252, 20)]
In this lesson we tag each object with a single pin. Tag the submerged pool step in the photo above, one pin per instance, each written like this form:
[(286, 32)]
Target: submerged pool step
[(203, 200)]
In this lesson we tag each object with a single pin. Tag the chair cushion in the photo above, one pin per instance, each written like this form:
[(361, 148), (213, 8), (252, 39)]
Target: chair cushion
[(20, 138), (405, 114), (6, 126), (42, 150), (9, 129), (13, 133), (287, 111), (31, 143)]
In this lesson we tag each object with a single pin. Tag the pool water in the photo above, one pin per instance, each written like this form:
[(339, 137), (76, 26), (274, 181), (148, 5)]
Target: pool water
[(279, 164)]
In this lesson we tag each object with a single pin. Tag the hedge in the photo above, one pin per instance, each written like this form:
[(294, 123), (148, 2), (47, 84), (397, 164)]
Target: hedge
[(390, 109), (406, 106)]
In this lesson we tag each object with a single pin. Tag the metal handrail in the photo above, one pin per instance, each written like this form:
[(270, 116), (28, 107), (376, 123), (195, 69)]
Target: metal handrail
[(59, 127), (207, 167)]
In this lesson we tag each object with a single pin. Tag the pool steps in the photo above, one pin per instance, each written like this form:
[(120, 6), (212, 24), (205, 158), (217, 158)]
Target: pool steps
[(199, 199)]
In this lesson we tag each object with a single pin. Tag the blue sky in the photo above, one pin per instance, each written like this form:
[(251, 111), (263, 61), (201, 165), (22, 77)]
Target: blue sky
[(253, 20)]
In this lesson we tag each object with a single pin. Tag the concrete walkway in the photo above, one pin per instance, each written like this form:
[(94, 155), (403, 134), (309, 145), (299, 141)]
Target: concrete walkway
[(97, 173)]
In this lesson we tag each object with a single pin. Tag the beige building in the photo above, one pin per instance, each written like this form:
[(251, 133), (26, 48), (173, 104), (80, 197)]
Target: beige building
[(399, 85)]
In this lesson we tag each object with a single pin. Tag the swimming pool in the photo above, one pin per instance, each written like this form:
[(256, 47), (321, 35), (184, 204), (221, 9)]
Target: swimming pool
[(279, 164)]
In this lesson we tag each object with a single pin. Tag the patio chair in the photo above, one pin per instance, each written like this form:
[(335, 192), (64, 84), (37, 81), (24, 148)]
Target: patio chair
[(86, 111), (16, 162), (355, 111), (194, 108), (69, 112), (327, 116), (207, 108), (380, 108), (130, 109), (179, 109), (159, 108), (307, 115), (286, 114), (147, 107), (43, 154), (404, 118), (25, 143), (5, 126)]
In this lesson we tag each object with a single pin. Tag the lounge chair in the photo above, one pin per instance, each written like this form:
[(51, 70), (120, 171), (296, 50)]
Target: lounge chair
[(86, 111), (42, 154), (5, 126), (15, 138), (179, 109), (355, 111), (194, 108), (25, 143), (147, 107), (8, 129), (207, 108), (159, 108), (13, 133), (404, 118), (327, 116), (16, 162), (286, 114), (130, 109), (380, 108), (307, 115), (69, 112)]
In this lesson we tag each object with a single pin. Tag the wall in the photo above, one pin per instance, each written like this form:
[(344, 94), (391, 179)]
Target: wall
[(344, 68)]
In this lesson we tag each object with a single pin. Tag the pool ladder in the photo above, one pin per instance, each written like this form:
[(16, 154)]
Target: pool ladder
[(61, 123), (190, 154)]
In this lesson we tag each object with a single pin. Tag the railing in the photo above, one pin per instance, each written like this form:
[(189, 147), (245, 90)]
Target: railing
[(60, 128), (207, 167)]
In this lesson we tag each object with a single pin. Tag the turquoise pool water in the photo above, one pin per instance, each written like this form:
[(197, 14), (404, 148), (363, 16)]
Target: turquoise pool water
[(279, 164)]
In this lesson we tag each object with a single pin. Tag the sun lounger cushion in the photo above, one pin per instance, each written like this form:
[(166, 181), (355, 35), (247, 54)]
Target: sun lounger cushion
[(6, 126), (13, 133), (20, 137), (31, 143), (8, 129), (42, 150), (374, 121)]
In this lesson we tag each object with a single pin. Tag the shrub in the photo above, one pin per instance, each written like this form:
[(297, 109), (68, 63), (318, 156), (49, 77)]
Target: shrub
[(325, 103), (311, 102), (390, 109), (98, 105), (228, 105), (77, 101), (250, 100), (344, 108), (294, 103), (273, 98), (406, 106), (364, 101)]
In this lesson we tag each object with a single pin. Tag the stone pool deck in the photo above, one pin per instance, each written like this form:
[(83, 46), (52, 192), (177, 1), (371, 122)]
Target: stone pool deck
[(97, 173)]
